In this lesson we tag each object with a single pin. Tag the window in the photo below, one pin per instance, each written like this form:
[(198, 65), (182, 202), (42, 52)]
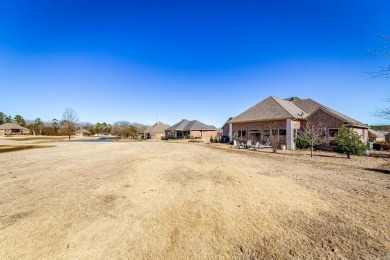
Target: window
[(243, 134), (282, 135), (274, 136), (235, 134), (295, 133), (267, 136), (333, 133), (240, 134), (254, 136)]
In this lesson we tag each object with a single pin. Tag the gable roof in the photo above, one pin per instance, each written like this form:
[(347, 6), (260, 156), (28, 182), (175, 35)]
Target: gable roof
[(271, 108), (377, 134), (308, 105), (185, 125), (227, 121), (83, 131), (10, 126), (158, 127), (342, 117), (383, 132), (179, 126)]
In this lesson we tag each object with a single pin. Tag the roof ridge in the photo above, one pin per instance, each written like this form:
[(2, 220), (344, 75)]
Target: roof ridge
[(288, 112)]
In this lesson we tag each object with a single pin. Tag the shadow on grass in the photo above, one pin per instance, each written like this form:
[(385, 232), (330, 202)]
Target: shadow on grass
[(380, 155), (330, 156), (384, 171), (6, 149), (42, 138)]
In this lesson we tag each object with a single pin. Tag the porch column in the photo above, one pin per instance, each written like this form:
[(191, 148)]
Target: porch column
[(230, 132), (290, 135)]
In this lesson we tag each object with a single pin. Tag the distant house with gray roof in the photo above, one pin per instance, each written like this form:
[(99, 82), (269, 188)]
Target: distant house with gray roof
[(83, 132), (283, 117), (190, 129), (156, 131), (375, 136), (13, 129)]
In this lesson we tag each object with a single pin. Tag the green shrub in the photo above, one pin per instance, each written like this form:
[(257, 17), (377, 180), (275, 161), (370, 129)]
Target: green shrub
[(349, 142), (302, 143)]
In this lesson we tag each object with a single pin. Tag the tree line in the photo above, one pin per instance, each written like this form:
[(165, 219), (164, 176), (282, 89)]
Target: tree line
[(70, 123)]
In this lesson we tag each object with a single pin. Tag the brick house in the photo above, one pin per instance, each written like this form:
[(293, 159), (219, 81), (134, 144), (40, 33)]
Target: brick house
[(284, 117), (191, 129), (13, 129)]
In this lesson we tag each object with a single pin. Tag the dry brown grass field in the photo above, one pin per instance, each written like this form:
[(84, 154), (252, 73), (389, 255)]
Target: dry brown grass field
[(166, 200)]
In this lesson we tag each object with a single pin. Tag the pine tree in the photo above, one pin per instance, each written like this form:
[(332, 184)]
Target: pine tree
[(349, 142)]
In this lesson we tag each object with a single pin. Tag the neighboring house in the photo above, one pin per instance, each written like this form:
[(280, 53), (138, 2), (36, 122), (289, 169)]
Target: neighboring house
[(13, 129), (102, 134), (83, 132), (375, 136), (191, 129), (156, 131), (283, 117)]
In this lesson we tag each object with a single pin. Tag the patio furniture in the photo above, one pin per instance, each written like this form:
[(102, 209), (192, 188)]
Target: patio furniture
[(248, 144), (266, 145), (237, 144)]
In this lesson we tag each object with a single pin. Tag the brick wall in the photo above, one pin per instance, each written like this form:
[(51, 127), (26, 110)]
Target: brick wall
[(205, 134), (326, 120), (225, 130)]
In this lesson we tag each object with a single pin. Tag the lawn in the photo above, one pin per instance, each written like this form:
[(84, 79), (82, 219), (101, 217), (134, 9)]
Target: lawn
[(168, 200)]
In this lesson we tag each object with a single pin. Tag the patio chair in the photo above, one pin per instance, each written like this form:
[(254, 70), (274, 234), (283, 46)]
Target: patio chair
[(266, 145), (237, 144)]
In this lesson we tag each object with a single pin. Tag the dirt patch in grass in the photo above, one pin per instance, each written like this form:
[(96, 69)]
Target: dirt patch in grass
[(7, 148)]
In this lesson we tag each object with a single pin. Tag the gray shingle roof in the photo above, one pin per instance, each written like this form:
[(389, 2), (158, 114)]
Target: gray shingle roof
[(271, 108), (307, 105), (83, 131), (10, 126), (179, 126), (310, 106), (376, 133), (158, 127), (193, 125), (346, 119)]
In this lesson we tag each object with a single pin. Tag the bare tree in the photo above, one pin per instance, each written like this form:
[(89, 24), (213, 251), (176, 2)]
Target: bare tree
[(312, 134), (384, 72), (383, 113), (69, 122), (122, 128), (385, 52), (275, 141)]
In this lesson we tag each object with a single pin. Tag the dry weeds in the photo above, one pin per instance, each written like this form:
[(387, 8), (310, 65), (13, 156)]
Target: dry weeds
[(160, 200)]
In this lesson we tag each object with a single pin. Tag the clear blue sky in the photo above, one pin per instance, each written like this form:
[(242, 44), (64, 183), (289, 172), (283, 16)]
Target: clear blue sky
[(205, 60)]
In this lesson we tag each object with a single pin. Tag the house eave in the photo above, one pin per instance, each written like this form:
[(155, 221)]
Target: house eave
[(265, 120)]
